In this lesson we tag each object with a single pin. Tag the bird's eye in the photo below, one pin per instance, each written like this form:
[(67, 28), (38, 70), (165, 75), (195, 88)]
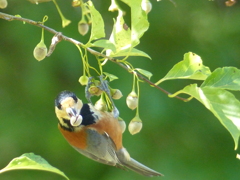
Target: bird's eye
[(59, 106)]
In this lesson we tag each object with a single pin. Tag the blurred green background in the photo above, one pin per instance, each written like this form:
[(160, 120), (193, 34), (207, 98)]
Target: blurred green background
[(181, 140)]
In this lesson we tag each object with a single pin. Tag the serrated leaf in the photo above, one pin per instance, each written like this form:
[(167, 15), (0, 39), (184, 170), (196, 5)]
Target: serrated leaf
[(104, 43), (221, 103), (224, 78), (97, 30), (110, 76), (190, 68), (30, 161), (144, 72), (132, 52)]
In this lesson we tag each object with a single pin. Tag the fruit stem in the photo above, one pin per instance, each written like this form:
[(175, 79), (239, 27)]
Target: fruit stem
[(65, 21), (138, 93)]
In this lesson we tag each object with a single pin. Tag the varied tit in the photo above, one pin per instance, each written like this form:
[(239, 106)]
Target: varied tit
[(95, 134)]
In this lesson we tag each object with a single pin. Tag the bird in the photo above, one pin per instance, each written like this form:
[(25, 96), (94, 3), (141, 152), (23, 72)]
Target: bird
[(95, 134)]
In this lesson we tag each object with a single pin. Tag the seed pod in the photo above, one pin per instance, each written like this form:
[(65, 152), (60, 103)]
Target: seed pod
[(230, 2), (83, 27), (135, 125), (76, 3), (122, 124), (3, 4), (94, 90), (132, 100), (100, 105), (146, 6), (83, 80), (113, 6), (40, 51), (116, 93), (76, 121)]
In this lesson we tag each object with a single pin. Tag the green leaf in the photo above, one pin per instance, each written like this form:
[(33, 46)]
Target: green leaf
[(221, 103), (110, 76), (190, 68), (30, 161), (97, 30), (139, 22), (120, 37), (132, 52), (144, 72), (104, 43), (124, 38), (224, 78)]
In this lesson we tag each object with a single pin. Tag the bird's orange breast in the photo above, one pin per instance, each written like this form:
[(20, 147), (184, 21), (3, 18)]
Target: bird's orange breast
[(76, 139), (106, 124)]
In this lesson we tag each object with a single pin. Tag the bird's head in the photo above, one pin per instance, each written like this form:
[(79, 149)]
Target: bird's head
[(67, 108)]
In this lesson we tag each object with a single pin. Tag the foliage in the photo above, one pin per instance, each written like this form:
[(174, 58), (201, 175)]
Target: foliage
[(213, 92), (30, 161)]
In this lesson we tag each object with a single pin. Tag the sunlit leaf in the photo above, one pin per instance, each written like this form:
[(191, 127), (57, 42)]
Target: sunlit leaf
[(139, 22), (30, 161), (97, 30), (224, 78), (120, 36), (124, 38), (104, 43), (110, 76), (190, 67), (131, 52), (221, 103), (144, 72)]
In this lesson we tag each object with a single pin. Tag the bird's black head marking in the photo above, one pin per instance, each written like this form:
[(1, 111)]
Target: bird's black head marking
[(63, 95)]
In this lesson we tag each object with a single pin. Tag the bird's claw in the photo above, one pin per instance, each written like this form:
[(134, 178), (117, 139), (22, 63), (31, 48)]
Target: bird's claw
[(88, 95), (104, 87)]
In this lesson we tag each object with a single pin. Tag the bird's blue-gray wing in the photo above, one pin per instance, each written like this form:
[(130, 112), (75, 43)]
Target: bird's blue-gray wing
[(100, 148)]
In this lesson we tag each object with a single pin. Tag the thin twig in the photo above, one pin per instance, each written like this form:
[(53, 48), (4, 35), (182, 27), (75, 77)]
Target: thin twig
[(9, 17)]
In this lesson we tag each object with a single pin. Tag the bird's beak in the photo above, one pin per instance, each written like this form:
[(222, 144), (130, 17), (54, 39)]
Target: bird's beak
[(75, 117)]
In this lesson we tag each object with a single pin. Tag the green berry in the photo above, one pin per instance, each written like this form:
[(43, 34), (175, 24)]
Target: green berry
[(116, 93), (132, 100), (83, 80), (83, 28), (135, 125), (100, 105), (76, 3), (122, 124), (146, 6), (3, 4), (40, 51)]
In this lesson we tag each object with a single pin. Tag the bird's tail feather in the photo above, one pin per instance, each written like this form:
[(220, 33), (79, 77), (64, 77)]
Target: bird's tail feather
[(125, 160), (140, 168)]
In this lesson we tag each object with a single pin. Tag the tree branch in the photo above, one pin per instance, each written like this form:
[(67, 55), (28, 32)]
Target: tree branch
[(71, 40)]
